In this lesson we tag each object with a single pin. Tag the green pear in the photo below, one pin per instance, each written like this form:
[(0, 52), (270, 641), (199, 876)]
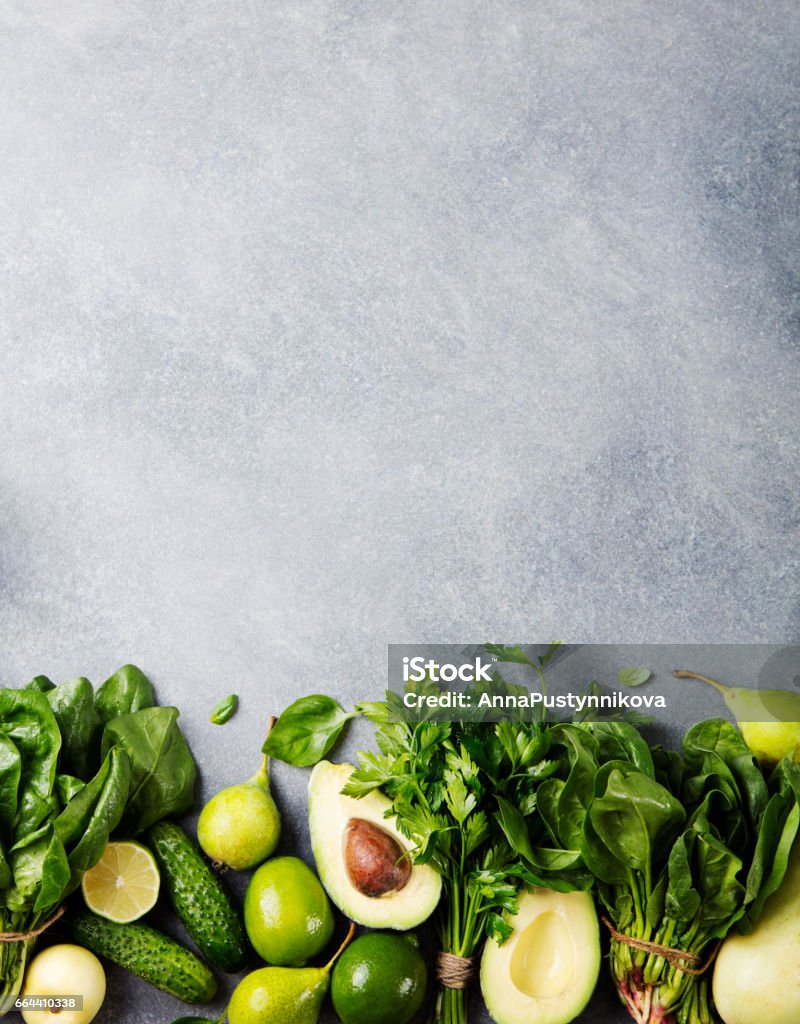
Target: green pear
[(769, 720), (240, 826), (283, 995), (756, 975)]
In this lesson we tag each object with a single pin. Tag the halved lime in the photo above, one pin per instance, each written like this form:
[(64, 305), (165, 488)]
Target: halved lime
[(123, 885)]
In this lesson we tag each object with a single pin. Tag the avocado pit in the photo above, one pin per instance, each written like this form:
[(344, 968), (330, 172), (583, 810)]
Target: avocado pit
[(375, 862)]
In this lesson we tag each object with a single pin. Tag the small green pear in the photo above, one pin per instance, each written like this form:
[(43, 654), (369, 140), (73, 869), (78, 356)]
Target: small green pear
[(283, 995), (756, 975), (240, 826), (769, 720)]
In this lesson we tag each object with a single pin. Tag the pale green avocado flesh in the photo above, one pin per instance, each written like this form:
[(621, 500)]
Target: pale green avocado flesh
[(328, 814), (546, 971)]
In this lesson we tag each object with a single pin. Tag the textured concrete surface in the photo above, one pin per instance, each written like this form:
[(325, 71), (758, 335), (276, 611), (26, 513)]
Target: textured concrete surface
[(330, 324)]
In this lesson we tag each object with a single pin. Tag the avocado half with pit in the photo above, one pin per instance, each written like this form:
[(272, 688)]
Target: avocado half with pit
[(546, 971), (362, 858)]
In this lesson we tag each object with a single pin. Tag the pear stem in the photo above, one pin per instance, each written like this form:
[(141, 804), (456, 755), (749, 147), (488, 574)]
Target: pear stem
[(263, 772), (347, 939), (681, 673)]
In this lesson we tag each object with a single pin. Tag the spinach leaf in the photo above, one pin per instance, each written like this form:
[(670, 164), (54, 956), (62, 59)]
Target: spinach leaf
[(306, 731), (163, 771), (565, 814), (717, 747), (620, 741), (634, 817), (28, 721), (224, 709), (79, 724), (67, 786), (126, 691), (41, 683), (682, 900), (85, 825), (10, 771), (38, 852), (54, 877)]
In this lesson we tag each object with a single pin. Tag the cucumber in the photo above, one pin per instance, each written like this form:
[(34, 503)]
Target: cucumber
[(200, 899), (147, 953)]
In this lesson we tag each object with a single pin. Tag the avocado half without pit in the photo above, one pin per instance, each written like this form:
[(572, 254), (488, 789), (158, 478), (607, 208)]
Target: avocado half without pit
[(546, 971), (363, 860)]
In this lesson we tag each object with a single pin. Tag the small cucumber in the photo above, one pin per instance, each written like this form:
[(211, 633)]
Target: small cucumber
[(147, 953), (200, 899)]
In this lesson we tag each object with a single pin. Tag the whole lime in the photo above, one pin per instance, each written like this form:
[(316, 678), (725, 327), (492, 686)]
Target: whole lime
[(379, 979), (287, 913)]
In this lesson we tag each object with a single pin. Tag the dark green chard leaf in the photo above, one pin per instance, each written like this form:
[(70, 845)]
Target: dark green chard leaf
[(126, 691), (224, 709), (306, 731), (79, 724), (163, 771)]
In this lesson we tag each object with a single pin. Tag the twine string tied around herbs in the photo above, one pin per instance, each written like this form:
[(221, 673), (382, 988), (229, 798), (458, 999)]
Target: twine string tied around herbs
[(24, 936), (455, 971), (689, 963)]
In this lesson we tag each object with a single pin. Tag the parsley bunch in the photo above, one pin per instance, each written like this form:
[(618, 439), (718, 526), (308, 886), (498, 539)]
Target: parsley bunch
[(465, 793)]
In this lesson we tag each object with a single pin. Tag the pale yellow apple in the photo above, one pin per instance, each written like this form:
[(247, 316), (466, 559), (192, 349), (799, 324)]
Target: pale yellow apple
[(65, 970)]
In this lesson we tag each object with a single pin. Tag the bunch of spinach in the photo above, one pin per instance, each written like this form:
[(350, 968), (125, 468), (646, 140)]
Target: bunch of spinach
[(682, 849), (75, 766)]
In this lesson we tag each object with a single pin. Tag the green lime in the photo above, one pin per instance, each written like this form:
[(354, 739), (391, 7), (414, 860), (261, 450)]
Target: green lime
[(287, 913), (379, 979)]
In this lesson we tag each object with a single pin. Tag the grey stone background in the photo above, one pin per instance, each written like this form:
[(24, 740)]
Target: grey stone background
[(327, 325)]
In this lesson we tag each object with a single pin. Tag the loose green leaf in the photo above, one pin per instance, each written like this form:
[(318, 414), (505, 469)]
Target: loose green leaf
[(307, 730), (225, 709), (634, 676)]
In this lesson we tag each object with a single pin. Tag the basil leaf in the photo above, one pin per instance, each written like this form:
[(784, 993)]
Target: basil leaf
[(634, 676), (306, 731), (224, 709)]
